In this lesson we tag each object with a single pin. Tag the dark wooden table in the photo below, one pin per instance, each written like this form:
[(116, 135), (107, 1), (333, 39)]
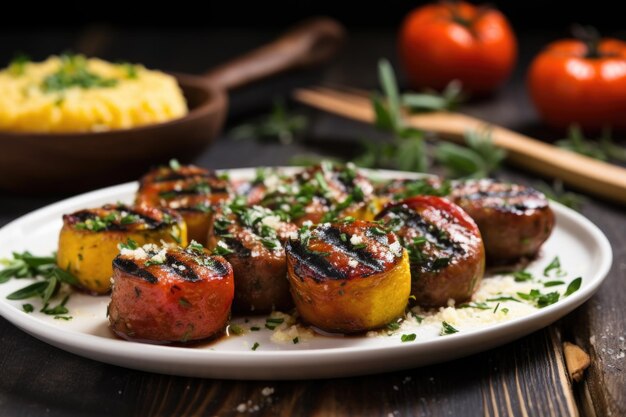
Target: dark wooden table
[(524, 378)]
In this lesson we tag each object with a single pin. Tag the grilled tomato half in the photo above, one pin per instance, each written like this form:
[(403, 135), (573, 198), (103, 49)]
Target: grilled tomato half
[(89, 239), (190, 190), (445, 248), (167, 294), (349, 276), (251, 239), (514, 220)]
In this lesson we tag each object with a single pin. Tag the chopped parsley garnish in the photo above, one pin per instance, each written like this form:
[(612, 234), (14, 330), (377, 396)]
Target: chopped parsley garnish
[(408, 337), (377, 231), (394, 325), (447, 329), (174, 164), (553, 283), (478, 305), (222, 249), (417, 317), (423, 187), (255, 346), (130, 245), (50, 278), (273, 322), (496, 308), (504, 310), (504, 298), (522, 276), (184, 302), (295, 340), (573, 286), (555, 265), (539, 299), (255, 329), (73, 72), (28, 308)]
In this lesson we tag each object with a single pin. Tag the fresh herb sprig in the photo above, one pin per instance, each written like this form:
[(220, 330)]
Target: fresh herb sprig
[(557, 192), (49, 279), (279, 125), (407, 148), (449, 99), (603, 148), (478, 159)]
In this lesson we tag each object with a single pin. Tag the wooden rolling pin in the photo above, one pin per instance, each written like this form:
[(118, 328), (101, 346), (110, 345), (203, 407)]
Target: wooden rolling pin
[(590, 175)]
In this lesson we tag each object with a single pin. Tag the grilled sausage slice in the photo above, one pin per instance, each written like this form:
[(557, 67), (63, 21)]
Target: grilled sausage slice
[(165, 294), (317, 194), (514, 220), (192, 191), (89, 239), (251, 239), (445, 248), (348, 276)]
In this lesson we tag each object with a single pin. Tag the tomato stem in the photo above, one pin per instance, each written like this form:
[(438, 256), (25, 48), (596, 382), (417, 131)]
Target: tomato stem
[(590, 37)]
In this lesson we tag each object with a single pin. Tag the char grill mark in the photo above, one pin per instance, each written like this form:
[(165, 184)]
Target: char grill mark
[(151, 221), (315, 262), (236, 246), (332, 236), (180, 268), (512, 199), (432, 233), (130, 267)]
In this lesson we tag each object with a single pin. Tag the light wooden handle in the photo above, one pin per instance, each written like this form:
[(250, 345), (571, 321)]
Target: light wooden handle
[(591, 175), (587, 174)]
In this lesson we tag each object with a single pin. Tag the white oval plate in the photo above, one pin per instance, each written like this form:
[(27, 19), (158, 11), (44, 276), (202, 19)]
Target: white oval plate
[(582, 247)]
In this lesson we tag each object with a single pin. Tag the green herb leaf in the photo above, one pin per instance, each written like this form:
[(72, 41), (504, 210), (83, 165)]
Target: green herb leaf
[(279, 125), (408, 337), (522, 276), (28, 308), (557, 193), (573, 286), (255, 346), (555, 265), (553, 283), (295, 340), (389, 85), (29, 291), (447, 329), (450, 98)]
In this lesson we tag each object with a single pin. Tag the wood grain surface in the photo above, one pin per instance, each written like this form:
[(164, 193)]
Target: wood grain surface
[(524, 378)]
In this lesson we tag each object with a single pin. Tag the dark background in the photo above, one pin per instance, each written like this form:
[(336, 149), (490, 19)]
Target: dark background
[(527, 15)]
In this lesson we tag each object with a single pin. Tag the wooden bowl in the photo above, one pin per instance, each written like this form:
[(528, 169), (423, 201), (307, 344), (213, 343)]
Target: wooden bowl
[(69, 162)]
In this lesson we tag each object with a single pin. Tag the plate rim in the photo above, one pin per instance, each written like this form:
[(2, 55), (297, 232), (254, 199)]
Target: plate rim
[(84, 343)]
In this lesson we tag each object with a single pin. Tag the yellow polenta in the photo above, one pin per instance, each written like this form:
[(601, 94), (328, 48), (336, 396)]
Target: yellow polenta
[(75, 94)]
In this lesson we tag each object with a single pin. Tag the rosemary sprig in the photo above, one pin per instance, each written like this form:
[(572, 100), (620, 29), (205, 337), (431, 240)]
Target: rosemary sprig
[(279, 125), (603, 148), (557, 192), (449, 99), (49, 279), (406, 150), (477, 160)]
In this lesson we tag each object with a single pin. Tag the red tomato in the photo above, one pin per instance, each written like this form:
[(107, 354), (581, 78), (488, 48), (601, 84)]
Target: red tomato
[(447, 41), (571, 81)]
